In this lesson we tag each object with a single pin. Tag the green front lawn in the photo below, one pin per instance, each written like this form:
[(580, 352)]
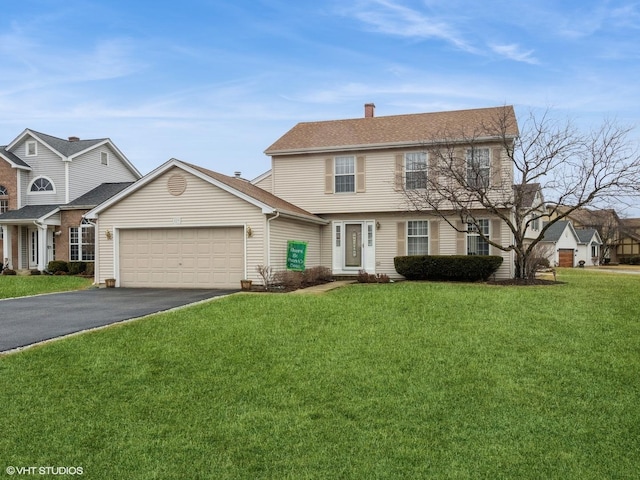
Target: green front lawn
[(406, 380), (12, 286)]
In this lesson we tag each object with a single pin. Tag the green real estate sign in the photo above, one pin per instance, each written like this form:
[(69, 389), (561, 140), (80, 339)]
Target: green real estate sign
[(296, 255)]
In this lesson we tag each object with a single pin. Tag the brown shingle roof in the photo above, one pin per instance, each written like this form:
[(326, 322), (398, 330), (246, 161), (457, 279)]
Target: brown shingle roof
[(394, 130), (254, 192)]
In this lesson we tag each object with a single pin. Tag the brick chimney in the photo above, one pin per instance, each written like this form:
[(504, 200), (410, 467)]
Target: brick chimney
[(74, 139), (369, 110)]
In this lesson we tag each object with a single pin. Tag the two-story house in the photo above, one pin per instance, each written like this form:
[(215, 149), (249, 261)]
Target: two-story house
[(338, 186), (46, 186)]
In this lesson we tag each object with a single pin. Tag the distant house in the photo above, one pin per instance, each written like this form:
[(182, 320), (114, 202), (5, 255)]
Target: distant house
[(567, 246), (589, 246), (336, 186), (46, 185), (605, 221), (629, 241), (562, 242)]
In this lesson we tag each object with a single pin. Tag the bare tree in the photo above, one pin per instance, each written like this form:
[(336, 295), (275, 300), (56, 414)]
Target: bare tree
[(462, 184)]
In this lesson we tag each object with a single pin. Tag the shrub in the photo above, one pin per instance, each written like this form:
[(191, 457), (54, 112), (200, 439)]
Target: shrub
[(634, 260), (35, 272), (76, 268), (364, 277), (8, 271), (90, 270), (467, 268), (288, 280), (315, 275), (56, 266)]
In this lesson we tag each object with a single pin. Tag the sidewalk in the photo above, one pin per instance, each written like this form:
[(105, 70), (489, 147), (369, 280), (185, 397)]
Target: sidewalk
[(325, 287)]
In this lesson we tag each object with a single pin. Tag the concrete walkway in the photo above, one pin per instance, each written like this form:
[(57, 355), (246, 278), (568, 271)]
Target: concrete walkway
[(325, 287)]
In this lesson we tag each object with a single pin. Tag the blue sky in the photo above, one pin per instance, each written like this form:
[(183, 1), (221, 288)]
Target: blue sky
[(216, 82)]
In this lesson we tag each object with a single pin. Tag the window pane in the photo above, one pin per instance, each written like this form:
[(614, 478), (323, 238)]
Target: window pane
[(478, 162), (345, 183), (417, 237)]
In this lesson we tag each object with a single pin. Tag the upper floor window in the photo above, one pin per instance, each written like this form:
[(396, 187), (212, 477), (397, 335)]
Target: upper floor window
[(4, 200), (31, 148), (345, 174), (476, 244), (104, 158), (415, 165), (41, 184), (478, 167), (535, 223), (417, 237)]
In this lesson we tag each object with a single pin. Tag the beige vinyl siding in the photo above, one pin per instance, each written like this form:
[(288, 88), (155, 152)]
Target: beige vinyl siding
[(306, 180), (283, 230), (201, 205), (266, 183), (87, 172)]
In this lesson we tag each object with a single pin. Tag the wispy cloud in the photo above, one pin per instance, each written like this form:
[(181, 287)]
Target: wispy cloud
[(514, 52), (393, 18)]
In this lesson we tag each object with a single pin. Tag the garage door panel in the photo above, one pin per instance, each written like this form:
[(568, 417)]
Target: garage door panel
[(182, 257)]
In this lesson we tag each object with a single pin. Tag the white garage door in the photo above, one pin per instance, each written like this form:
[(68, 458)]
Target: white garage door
[(182, 257)]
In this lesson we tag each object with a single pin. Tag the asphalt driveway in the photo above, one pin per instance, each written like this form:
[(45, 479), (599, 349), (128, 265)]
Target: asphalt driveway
[(29, 320)]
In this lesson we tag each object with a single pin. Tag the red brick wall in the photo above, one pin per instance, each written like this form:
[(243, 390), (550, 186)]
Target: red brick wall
[(68, 219), (9, 180)]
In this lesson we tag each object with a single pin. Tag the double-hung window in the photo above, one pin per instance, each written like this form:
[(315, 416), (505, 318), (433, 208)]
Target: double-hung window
[(476, 244), (417, 237), (82, 242), (4, 199), (345, 174), (415, 170), (478, 167)]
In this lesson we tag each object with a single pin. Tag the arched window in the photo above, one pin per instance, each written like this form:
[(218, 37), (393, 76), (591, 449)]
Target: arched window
[(41, 184), (4, 199)]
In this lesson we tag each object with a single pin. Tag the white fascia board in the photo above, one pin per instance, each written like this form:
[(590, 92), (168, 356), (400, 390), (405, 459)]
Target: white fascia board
[(266, 209), (29, 132), (94, 213), (13, 165), (259, 178), (378, 146)]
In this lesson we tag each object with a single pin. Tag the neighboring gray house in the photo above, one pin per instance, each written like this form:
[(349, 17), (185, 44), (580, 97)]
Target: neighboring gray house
[(562, 242), (589, 246), (46, 185)]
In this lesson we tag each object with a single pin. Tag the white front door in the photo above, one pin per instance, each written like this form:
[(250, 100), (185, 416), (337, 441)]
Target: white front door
[(354, 246), (32, 248)]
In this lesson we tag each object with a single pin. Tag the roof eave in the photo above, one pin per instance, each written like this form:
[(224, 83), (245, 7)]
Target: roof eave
[(378, 146)]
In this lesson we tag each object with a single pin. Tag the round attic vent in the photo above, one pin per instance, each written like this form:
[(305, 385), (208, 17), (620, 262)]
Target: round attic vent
[(176, 184)]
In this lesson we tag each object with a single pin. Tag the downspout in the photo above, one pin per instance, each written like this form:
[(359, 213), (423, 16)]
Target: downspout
[(269, 237)]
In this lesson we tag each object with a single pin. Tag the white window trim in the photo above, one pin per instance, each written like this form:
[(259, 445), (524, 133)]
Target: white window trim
[(80, 244), (417, 236), (35, 148), (470, 156), (336, 174), (44, 192), (407, 171), (106, 160), (474, 233)]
